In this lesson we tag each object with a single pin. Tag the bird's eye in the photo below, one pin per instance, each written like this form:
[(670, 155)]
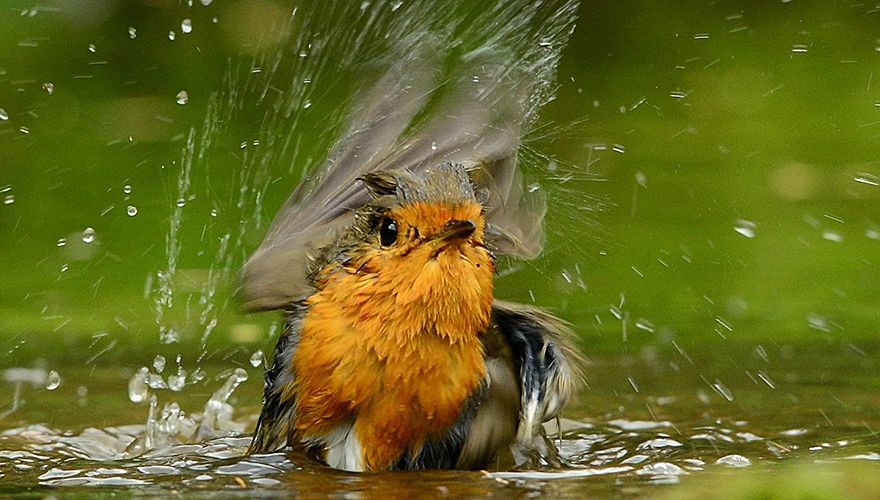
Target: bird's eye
[(387, 231)]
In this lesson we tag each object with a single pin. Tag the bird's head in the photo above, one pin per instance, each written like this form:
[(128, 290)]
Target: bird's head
[(418, 243)]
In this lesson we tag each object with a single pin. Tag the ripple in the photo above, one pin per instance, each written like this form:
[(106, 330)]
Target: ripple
[(734, 461), (661, 469)]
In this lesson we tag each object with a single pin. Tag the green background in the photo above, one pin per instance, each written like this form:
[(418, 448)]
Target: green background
[(763, 112), (713, 225)]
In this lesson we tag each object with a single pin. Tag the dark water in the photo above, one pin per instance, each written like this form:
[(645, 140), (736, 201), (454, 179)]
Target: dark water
[(713, 237)]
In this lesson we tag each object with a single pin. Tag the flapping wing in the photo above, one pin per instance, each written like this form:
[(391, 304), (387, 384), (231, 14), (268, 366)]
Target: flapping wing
[(412, 118), (464, 88), (533, 370)]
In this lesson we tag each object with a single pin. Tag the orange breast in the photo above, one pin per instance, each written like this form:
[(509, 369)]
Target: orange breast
[(393, 342)]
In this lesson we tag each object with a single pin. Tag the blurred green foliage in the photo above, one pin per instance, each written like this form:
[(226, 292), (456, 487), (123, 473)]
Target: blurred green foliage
[(673, 126)]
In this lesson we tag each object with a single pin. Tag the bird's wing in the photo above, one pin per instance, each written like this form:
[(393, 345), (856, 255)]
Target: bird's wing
[(533, 369), (279, 403), (416, 116)]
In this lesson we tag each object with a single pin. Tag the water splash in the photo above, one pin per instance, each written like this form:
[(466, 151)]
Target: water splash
[(137, 386), (217, 416)]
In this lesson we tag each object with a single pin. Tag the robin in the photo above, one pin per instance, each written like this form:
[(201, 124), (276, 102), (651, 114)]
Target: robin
[(396, 355)]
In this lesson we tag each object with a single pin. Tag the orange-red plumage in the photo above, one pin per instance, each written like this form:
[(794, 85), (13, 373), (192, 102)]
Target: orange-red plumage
[(393, 337)]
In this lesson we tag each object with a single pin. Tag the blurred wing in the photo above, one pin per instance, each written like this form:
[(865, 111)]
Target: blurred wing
[(276, 273), (547, 364), (436, 104)]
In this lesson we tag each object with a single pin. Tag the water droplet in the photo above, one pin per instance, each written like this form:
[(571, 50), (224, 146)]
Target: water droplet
[(433, 146), (172, 35), (24, 130), (61, 242), (9, 199), (155, 381), (206, 2), (186, 26), (818, 322), (88, 235), (476, 79), (832, 236), (799, 48), (303, 54), (132, 32), (618, 148), (214, 212), (396, 5), (159, 363), (92, 48), (182, 97), (181, 202), (3, 115), (131, 210), (126, 189), (722, 389), (643, 324), (307, 104), (307, 80), (82, 392), (137, 386), (49, 88), (869, 179), (178, 381), (53, 380), (257, 358), (745, 228)]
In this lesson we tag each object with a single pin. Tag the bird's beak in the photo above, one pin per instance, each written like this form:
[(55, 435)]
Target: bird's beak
[(456, 229)]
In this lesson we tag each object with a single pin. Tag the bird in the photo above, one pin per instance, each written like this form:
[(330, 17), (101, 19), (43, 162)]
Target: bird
[(396, 354)]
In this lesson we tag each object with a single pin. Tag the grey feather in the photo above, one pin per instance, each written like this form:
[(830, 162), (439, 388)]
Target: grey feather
[(412, 118)]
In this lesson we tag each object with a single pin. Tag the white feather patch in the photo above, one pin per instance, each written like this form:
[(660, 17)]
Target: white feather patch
[(342, 448)]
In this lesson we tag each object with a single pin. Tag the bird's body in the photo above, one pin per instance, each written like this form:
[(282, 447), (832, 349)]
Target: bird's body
[(401, 359), (396, 354)]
